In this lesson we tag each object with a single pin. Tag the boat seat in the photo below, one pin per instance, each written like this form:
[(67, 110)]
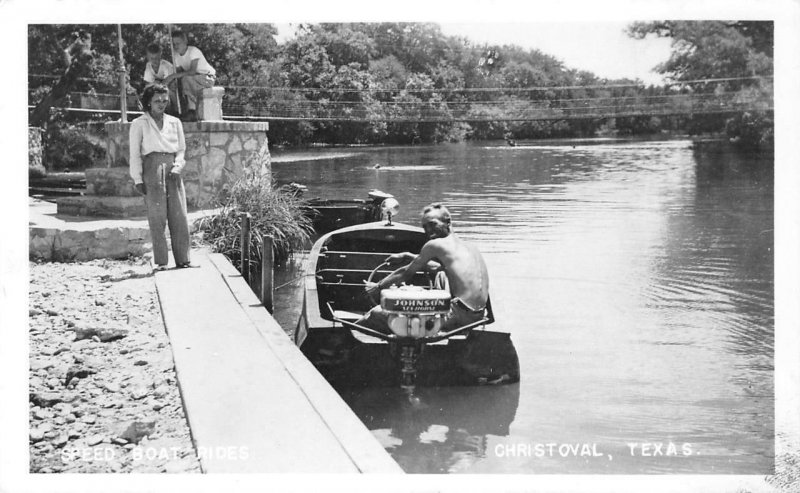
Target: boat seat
[(343, 259), (357, 276)]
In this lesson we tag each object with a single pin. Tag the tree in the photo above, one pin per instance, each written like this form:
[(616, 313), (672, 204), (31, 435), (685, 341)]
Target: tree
[(237, 52), (388, 73), (738, 50), (77, 57), (367, 64), (345, 44), (519, 75), (712, 49)]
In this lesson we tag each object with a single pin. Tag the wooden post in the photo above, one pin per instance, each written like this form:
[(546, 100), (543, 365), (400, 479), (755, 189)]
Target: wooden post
[(175, 68), (267, 261), (123, 93), (245, 247)]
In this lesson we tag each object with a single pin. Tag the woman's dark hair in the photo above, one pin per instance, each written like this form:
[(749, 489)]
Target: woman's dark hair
[(151, 91)]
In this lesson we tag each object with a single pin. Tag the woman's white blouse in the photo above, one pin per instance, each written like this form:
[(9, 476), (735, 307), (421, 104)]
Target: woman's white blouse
[(145, 137)]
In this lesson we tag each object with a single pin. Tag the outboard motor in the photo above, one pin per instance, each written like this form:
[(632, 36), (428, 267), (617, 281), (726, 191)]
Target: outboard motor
[(413, 313), (376, 199)]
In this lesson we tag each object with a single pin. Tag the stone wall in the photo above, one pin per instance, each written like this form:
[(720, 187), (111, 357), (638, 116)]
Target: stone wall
[(217, 153), (114, 182), (60, 245)]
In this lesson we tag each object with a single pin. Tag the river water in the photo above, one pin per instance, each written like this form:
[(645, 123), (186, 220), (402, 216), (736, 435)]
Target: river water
[(636, 280)]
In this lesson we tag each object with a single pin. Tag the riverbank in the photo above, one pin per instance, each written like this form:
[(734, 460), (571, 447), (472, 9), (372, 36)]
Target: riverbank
[(103, 392)]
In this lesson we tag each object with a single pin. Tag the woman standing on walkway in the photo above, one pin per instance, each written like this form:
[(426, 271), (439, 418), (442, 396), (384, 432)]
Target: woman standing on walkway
[(156, 160)]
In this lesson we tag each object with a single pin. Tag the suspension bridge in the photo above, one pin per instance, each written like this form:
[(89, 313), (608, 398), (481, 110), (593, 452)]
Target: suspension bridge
[(703, 97), (504, 110)]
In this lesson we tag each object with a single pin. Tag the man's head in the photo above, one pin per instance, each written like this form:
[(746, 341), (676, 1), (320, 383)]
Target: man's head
[(154, 54), (180, 42), (436, 221)]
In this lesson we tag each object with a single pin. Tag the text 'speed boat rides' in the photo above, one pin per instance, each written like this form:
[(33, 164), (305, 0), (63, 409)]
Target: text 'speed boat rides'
[(416, 352)]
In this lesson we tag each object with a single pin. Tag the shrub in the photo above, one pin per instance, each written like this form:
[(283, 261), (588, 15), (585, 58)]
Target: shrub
[(273, 212), (72, 147), (751, 130)]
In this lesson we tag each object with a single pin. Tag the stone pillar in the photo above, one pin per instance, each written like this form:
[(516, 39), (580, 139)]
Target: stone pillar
[(217, 153), (210, 104)]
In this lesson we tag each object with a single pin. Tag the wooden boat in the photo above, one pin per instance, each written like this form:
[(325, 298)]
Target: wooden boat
[(349, 354), (330, 214)]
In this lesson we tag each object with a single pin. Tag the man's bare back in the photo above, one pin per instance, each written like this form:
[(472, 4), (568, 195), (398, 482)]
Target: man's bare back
[(467, 276), (464, 266), (466, 271)]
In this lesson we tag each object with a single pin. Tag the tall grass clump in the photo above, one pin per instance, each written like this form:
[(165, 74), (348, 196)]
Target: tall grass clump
[(273, 212)]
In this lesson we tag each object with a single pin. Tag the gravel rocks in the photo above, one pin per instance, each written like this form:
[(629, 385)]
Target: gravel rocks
[(134, 432), (45, 399), (38, 364), (95, 439), (78, 371), (139, 392), (100, 334), (60, 440), (99, 354), (36, 435), (111, 386)]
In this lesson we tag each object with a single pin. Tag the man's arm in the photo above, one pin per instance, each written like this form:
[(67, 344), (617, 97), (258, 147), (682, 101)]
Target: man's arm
[(432, 266), (403, 274), (183, 73)]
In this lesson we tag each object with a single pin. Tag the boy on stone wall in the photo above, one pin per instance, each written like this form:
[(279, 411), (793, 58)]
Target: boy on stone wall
[(156, 71)]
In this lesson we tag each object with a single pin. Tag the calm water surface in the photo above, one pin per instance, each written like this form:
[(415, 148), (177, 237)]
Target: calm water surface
[(636, 280)]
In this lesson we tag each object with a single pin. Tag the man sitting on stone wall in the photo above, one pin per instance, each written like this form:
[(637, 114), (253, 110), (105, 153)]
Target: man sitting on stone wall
[(193, 71)]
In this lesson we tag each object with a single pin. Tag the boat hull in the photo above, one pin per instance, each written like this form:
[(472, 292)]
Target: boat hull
[(482, 358)]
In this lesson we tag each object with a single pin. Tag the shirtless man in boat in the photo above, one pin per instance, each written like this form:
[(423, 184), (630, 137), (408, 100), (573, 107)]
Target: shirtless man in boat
[(464, 269)]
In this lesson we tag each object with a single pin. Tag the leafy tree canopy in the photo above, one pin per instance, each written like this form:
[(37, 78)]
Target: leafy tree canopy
[(400, 62), (712, 49)]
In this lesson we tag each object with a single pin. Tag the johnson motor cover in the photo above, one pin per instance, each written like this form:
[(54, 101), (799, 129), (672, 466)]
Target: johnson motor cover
[(415, 312)]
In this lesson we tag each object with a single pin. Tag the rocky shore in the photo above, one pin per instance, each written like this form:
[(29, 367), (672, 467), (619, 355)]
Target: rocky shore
[(103, 391)]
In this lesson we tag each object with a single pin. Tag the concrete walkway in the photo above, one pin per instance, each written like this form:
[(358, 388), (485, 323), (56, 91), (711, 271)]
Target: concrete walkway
[(253, 402), (62, 238)]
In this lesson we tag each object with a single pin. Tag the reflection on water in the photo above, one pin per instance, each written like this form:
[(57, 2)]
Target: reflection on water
[(436, 430), (636, 279)]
